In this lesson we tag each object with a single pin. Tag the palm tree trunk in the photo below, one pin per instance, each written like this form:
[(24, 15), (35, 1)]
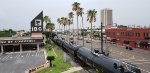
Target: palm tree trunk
[(59, 28), (69, 32), (91, 37), (73, 30), (77, 30), (51, 32), (83, 30), (64, 29)]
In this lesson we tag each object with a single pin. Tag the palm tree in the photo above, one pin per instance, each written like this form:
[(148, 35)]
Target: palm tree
[(50, 27), (91, 17), (65, 24), (76, 7), (70, 14), (47, 19), (59, 21), (69, 22), (81, 14), (62, 21)]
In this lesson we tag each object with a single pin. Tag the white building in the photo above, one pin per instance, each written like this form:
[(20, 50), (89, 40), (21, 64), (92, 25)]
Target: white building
[(107, 17)]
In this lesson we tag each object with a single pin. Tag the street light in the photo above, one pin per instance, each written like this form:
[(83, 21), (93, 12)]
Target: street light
[(102, 50)]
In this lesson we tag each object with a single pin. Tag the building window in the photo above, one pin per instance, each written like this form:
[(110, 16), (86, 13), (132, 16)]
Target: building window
[(131, 34), (138, 34), (113, 33), (144, 34), (117, 33), (147, 34), (126, 33)]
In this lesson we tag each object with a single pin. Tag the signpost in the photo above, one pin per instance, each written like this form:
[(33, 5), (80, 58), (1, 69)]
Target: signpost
[(20, 41), (37, 24)]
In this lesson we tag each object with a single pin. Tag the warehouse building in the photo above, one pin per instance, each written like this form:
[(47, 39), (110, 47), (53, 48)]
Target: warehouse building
[(134, 37)]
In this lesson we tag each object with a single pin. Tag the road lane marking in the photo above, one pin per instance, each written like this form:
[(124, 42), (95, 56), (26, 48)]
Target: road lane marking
[(125, 59), (120, 53), (127, 54), (132, 57), (36, 53), (18, 55), (133, 66), (138, 60), (5, 57), (27, 54), (141, 63), (11, 57)]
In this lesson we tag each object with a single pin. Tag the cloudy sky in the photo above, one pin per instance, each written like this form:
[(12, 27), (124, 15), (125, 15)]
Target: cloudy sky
[(17, 14)]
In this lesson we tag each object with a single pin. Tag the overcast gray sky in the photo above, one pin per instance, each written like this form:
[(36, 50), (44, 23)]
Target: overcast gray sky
[(17, 14)]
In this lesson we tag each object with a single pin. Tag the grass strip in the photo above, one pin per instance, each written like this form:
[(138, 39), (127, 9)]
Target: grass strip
[(59, 64)]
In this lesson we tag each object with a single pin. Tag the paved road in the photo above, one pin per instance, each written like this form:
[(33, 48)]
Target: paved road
[(19, 62), (139, 57)]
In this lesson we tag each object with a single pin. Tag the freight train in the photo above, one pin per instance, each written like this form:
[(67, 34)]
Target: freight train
[(93, 58)]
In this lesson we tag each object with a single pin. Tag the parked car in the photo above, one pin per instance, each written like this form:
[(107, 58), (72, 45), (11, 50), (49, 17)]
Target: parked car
[(129, 47), (88, 41)]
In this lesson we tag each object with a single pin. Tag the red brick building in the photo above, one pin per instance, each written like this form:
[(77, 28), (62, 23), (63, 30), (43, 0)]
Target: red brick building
[(135, 37)]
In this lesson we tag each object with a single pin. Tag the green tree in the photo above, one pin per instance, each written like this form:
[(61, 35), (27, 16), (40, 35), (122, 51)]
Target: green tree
[(50, 58), (76, 8), (62, 21), (59, 21), (69, 22), (65, 25), (70, 14), (91, 17), (10, 31), (81, 14), (47, 19), (50, 27)]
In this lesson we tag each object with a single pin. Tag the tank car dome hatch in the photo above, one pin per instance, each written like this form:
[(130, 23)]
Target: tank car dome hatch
[(96, 52), (55, 37)]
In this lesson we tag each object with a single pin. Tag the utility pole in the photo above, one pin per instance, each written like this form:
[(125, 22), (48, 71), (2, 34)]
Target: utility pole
[(102, 38)]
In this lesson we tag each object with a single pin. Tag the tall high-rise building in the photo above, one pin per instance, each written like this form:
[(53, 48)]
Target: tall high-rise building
[(106, 17)]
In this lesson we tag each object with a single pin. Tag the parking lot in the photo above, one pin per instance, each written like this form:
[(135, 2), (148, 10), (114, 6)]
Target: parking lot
[(19, 62)]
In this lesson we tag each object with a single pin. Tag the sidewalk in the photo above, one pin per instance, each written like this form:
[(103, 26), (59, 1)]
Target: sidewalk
[(73, 69)]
